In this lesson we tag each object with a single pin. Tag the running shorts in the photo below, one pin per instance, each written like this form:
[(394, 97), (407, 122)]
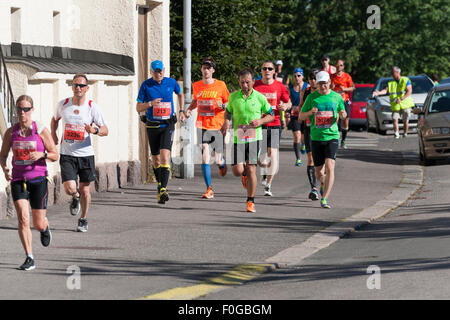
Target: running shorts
[(160, 138), (322, 150), (246, 152), (34, 190), (74, 167)]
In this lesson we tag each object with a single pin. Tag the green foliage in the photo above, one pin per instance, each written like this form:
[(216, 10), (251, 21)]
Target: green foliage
[(414, 35)]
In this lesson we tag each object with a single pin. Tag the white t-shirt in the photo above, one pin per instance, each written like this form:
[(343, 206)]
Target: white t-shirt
[(75, 140)]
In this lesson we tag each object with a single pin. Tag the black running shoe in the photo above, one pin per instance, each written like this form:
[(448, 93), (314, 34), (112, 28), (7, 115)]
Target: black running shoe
[(163, 196), (28, 265), (46, 237), (75, 206), (82, 225)]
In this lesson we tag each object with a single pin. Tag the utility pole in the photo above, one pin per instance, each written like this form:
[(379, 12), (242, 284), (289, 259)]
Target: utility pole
[(187, 129)]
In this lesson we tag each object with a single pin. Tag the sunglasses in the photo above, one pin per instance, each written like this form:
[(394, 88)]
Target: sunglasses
[(19, 109), (298, 75), (79, 85), (340, 65), (267, 68)]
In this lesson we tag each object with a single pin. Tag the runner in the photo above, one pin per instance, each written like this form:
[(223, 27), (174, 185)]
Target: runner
[(77, 161), (326, 66), (323, 107), (210, 96), (342, 83), (156, 98), (314, 193), (32, 145), (275, 92), (245, 109), (296, 91)]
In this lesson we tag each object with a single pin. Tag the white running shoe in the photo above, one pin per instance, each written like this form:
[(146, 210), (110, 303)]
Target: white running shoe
[(268, 190)]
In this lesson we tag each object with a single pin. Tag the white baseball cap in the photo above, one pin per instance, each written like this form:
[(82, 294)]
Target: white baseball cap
[(278, 62), (322, 76)]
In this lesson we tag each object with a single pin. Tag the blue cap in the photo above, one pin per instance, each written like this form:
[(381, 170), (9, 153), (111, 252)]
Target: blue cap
[(298, 70), (157, 65)]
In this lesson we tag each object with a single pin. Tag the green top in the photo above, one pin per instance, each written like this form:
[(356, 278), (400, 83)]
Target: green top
[(245, 110), (324, 123)]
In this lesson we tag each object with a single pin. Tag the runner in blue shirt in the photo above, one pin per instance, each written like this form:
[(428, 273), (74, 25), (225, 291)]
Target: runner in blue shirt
[(156, 99)]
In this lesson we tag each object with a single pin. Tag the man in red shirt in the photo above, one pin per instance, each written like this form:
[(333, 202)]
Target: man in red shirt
[(275, 92), (342, 83)]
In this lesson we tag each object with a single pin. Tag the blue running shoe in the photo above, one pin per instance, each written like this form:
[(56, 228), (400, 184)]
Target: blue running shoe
[(314, 195), (298, 163)]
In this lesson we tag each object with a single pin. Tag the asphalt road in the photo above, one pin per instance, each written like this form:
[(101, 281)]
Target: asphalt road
[(137, 248)]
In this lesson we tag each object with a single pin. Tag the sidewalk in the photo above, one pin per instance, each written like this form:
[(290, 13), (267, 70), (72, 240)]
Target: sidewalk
[(136, 247)]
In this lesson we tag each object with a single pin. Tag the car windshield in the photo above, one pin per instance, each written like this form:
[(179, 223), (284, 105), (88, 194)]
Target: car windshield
[(361, 93), (419, 84), (440, 102)]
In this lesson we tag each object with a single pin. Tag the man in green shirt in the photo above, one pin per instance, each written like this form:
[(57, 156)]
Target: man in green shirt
[(245, 108), (324, 107)]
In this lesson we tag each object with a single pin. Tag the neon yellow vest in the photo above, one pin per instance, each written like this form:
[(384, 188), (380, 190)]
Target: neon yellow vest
[(396, 91)]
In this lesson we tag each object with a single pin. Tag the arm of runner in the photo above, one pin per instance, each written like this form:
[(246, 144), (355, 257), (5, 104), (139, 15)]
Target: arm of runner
[(50, 147), (226, 123), (53, 128), (102, 130), (6, 146), (381, 92), (191, 107), (181, 103)]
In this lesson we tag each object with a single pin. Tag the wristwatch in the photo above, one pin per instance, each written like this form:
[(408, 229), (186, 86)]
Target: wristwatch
[(45, 154), (181, 111), (96, 131)]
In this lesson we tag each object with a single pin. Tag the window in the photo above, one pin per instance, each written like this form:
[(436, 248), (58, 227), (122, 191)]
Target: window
[(16, 28)]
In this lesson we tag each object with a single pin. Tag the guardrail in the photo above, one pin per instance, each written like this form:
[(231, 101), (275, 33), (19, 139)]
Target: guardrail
[(8, 116)]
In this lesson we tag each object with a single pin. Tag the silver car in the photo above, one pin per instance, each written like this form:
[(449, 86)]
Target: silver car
[(379, 113), (434, 125)]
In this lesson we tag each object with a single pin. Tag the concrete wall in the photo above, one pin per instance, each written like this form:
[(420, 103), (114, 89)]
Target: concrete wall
[(101, 25)]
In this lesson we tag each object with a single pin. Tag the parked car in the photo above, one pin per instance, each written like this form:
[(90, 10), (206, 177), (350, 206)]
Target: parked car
[(379, 113), (445, 80), (434, 125), (359, 98)]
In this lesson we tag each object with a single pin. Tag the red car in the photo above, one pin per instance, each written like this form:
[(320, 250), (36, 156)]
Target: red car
[(359, 104)]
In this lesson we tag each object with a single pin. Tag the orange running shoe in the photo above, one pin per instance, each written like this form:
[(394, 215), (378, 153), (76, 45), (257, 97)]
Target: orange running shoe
[(209, 194), (222, 170), (244, 181), (250, 207)]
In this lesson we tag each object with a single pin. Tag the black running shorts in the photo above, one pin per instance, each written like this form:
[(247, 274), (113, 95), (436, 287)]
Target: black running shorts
[(322, 150), (74, 167), (35, 190), (160, 138)]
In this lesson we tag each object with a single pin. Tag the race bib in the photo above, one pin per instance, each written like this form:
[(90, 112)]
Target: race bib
[(272, 98), (206, 108), (74, 133), (22, 150), (295, 111), (324, 119), (245, 133), (163, 111)]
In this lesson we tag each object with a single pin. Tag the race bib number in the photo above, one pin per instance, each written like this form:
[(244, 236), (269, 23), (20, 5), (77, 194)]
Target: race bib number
[(74, 133), (163, 111), (295, 111), (206, 108), (22, 150), (272, 98), (245, 133), (324, 119)]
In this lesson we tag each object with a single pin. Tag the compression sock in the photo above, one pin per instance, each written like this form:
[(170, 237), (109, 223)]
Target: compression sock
[(344, 133), (206, 170), (164, 175), (157, 172), (311, 176), (297, 150)]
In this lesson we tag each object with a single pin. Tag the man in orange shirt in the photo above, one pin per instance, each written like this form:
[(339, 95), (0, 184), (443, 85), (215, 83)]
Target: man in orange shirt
[(210, 97), (341, 82)]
